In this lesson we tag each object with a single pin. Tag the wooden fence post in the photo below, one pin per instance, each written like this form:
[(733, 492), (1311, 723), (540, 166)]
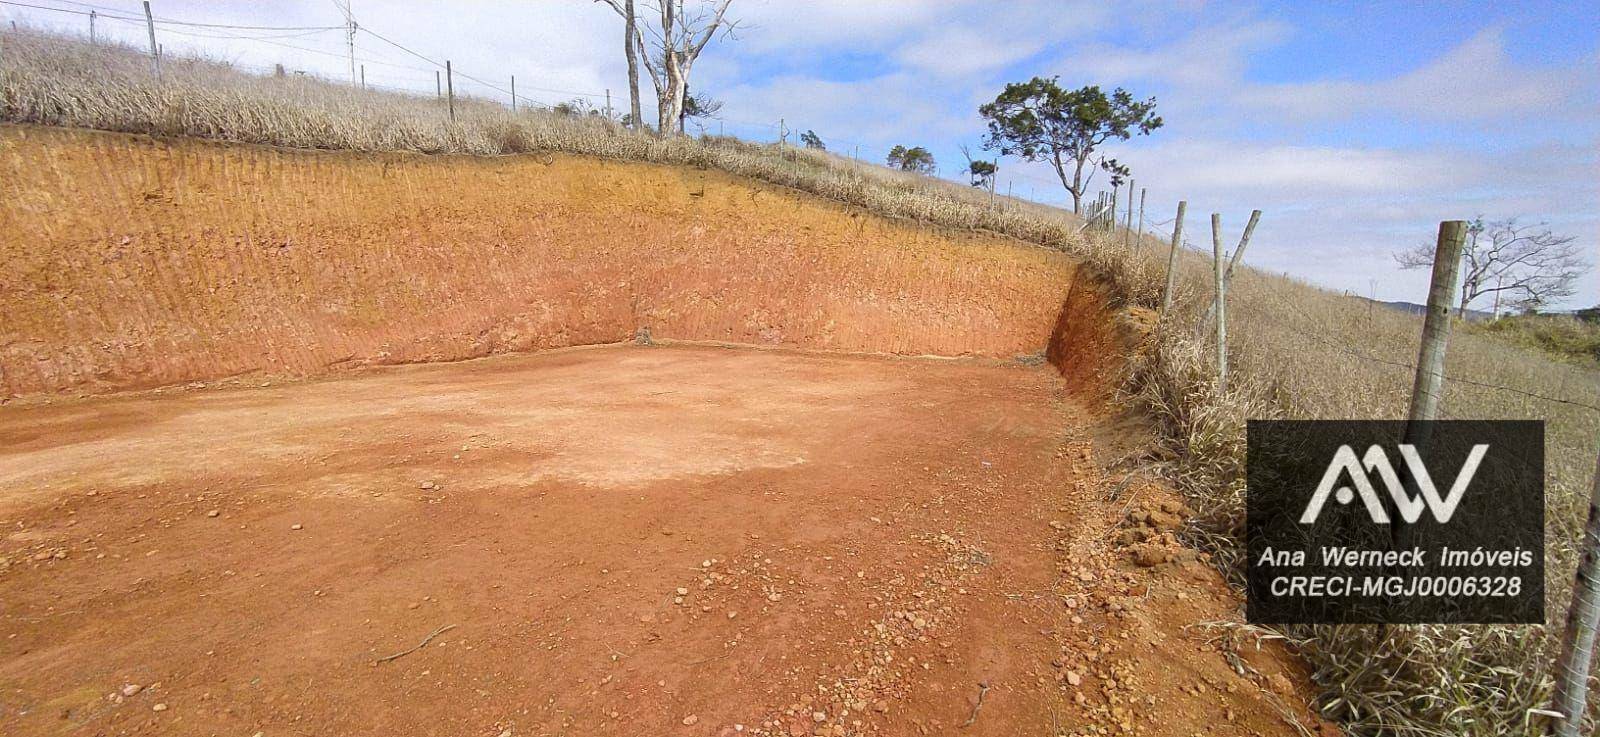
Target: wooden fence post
[(363, 76), (1141, 212), (1127, 220), (1244, 241), (514, 96), (1429, 384), (1221, 303), (1583, 618), (1172, 263), (450, 88), (1436, 325), (438, 86), (1111, 219), (155, 53)]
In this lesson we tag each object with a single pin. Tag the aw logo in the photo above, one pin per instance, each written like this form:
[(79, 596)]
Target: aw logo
[(1376, 460), (1367, 522)]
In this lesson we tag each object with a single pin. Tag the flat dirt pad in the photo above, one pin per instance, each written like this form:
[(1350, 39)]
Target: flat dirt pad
[(618, 540)]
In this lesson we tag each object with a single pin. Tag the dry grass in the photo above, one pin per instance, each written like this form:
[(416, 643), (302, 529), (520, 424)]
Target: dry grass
[(1297, 351)]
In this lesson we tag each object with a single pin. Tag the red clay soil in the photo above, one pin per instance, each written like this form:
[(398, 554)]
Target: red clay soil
[(132, 262), (618, 540)]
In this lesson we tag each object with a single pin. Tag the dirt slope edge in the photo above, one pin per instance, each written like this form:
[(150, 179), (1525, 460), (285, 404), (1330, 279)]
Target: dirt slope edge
[(136, 262)]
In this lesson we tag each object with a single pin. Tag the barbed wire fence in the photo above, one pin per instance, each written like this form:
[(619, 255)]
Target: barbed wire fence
[(370, 54)]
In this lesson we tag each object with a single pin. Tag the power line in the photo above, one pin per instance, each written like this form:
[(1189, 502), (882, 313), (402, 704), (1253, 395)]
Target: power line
[(221, 36), (384, 39), (167, 21), (292, 32)]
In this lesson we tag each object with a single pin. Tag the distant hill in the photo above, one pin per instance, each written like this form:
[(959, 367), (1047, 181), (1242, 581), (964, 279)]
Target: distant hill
[(1416, 309)]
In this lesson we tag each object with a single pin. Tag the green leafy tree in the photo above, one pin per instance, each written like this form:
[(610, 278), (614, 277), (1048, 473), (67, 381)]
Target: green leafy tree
[(1039, 121), (811, 140), (915, 159)]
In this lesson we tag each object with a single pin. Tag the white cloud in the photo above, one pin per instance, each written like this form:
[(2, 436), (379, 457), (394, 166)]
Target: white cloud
[(774, 25), (964, 52), (1205, 59), (1475, 80), (1247, 169)]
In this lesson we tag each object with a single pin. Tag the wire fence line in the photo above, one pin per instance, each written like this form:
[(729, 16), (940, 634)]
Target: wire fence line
[(1451, 378), (488, 87)]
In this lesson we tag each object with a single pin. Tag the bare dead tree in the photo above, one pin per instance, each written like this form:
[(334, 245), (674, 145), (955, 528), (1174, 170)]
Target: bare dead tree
[(630, 47), (982, 172), (673, 48), (1528, 263)]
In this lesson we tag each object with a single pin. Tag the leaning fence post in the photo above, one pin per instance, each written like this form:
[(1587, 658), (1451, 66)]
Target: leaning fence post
[(1172, 264), (1436, 325), (1250, 227), (450, 89), (1583, 618), (1429, 384), (1221, 303), (1244, 241), (155, 53)]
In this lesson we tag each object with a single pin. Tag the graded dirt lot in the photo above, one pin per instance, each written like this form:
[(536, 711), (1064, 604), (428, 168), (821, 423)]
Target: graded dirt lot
[(617, 540)]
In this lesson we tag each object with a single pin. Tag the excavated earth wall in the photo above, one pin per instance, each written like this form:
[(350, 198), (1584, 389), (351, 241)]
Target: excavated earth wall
[(134, 262)]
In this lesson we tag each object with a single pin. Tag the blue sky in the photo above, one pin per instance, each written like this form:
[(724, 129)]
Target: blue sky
[(1356, 127)]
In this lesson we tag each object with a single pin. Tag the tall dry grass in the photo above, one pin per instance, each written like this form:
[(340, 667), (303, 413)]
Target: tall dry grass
[(1297, 351)]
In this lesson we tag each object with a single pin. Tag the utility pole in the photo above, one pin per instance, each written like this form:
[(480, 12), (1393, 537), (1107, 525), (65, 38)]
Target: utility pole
[(514, 94), (155, 53), (608, 103), (363, 76), (93, 38), (438, 86), (350, 39)]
